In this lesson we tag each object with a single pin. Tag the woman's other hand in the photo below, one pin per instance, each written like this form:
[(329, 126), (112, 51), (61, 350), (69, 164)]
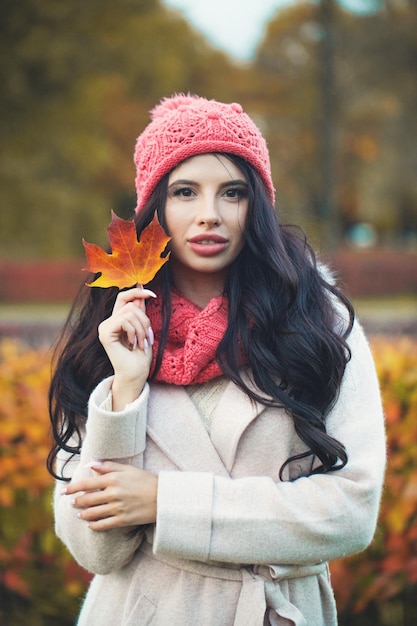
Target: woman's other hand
[(119, 496)]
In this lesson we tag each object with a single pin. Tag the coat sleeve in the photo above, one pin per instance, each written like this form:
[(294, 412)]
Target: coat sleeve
[(109, 436), (310, 520)]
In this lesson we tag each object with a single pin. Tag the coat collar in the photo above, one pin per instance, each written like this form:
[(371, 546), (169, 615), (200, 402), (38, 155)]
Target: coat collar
[(233, 415), (178, 430)]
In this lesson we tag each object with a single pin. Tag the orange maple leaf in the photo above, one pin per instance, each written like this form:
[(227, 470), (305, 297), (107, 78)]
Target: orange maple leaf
[(131, 261)]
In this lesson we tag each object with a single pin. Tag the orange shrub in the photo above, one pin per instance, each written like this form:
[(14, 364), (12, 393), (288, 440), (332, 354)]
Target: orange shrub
[(383, 580), (39, 582)]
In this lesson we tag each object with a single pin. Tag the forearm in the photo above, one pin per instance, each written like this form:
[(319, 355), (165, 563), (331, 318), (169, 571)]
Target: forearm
[(109, 436), (254, 520)]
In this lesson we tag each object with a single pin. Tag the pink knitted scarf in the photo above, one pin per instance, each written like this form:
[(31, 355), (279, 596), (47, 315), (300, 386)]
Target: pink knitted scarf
[(194, 334)]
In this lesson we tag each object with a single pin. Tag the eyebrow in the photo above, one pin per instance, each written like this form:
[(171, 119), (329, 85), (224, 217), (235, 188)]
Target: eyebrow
[(229, 183), (182, 181), (237, 181)]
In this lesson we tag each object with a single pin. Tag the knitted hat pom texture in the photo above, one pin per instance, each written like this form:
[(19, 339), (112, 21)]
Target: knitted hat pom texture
[(183, 126)]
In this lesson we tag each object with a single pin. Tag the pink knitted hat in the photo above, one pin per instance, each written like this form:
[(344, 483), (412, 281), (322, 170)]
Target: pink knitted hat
[(184, 126)]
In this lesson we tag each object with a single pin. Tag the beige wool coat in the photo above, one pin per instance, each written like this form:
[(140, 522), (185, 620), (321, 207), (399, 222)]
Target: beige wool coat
[(232, 545)]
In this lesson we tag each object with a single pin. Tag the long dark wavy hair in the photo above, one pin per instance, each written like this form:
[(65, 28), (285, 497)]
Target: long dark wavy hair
[(290, 320)]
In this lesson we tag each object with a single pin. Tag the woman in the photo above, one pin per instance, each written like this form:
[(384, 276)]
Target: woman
[(222, 438)]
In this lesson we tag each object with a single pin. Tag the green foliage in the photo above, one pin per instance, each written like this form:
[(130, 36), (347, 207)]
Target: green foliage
[(368, 78), (78, 81)]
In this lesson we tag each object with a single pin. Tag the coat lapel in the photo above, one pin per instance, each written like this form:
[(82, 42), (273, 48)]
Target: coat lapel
[(177, 429), (233, 415)]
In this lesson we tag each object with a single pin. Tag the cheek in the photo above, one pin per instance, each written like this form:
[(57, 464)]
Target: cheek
[(174, 223), (177, 229)]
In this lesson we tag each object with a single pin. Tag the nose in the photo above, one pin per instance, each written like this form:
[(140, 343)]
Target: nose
[(208, 210)]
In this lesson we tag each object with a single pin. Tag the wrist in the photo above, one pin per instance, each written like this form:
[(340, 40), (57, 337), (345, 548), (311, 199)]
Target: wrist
[(124, 392)]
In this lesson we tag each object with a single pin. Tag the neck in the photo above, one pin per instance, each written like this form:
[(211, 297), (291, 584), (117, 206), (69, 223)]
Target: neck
[(199, 289)]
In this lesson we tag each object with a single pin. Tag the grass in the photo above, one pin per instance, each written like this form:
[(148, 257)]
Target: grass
[(33, 312), (394, 307), (387, 307)]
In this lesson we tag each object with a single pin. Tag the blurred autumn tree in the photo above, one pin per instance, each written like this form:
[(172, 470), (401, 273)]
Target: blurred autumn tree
[(78, 80), (374, 99)]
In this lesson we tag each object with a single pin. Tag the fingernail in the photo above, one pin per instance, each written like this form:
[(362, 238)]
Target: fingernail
[(135, 343), (64, 491), (145, 346), (73, 503), (151, 336), (150, 293)]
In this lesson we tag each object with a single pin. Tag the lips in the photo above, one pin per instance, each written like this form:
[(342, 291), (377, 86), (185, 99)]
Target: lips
[(207, 238), (208, 244)]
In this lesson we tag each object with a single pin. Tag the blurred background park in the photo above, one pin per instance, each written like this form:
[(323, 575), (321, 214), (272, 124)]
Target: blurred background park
[(332, 84)]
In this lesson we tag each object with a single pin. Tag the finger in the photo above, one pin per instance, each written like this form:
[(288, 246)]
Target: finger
[(98, 512), (135, 323), (131, 333), (104, 467), (104, 524), (140, 302), (97, 482), (130, 325), (138, 294), (83, 485), (92, 499), (142, 332)]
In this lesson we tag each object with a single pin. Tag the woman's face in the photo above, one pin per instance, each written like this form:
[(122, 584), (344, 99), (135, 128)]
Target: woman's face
[(205, 213)]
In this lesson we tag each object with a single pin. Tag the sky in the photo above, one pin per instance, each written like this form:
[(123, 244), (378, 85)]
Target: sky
[(237, 26)]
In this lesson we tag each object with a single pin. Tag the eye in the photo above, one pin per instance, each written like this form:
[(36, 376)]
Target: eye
[(185, 192), (236, 193)]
